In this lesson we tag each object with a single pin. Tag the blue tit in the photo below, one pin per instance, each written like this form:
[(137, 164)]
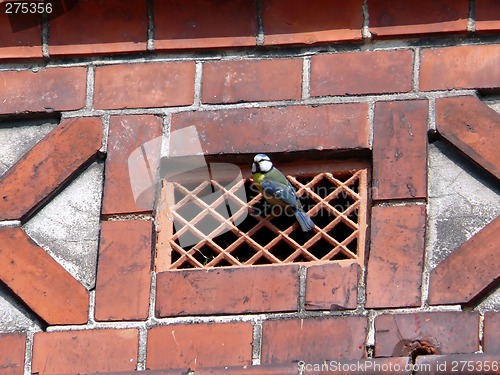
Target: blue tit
[(276, 189)]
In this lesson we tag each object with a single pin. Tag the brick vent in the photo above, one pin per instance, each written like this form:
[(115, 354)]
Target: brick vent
[(334, 195)]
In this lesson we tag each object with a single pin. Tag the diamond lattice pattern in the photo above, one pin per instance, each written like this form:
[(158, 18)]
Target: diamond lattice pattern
[(257, 233)]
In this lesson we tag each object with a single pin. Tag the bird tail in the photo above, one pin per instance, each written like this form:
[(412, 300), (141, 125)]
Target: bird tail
[(304, 220)]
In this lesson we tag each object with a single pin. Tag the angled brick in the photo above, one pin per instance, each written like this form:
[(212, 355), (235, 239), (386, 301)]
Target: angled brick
[(472, 127), (42, 283), (469, 271), (48, 165)]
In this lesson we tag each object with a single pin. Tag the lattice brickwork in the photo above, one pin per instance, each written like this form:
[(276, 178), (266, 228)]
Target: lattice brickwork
[(333, 194)]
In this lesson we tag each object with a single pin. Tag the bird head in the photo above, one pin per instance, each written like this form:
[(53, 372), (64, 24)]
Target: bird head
[(261, 163)]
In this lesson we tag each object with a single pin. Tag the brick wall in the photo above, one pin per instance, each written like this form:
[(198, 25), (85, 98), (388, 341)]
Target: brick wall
[(395, 84)]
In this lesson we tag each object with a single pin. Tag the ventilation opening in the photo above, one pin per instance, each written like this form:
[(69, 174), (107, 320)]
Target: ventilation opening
[(217, 225)]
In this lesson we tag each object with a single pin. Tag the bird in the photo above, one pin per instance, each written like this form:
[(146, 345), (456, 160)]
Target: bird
[(276, 189)]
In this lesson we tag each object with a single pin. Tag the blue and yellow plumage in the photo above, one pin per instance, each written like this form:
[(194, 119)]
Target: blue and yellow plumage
[(276, 189)]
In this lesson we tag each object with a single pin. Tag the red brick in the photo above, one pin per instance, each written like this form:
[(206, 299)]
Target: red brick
[(48, 165), (372, 366), (396, 256), (39, 281), (281, 369), (193, 292), (250, 130), (434, 332), (471, 126), (491, 328), (476, 363), (470, 271), (131, 163), (290, 22), (180, 24), (199, 345), (12, 347), (97, 350), (400, 150), (487, 16), (332, 287), (48, 90), (90, 27), (124, 260), (462, 67), (146, 85), (313, 339), (393, 17), (356, 73), (20, 35), (252, 80)]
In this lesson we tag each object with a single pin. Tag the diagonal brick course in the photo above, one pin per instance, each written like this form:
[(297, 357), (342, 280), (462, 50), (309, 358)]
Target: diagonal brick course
[(42, 283), (472, 127), (48, 165), (469, 271)]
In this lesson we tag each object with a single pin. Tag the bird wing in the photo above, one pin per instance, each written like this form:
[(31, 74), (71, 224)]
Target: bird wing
[(277, 190)]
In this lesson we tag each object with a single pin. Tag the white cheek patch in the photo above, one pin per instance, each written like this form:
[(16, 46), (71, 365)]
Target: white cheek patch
[(265, 166)]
